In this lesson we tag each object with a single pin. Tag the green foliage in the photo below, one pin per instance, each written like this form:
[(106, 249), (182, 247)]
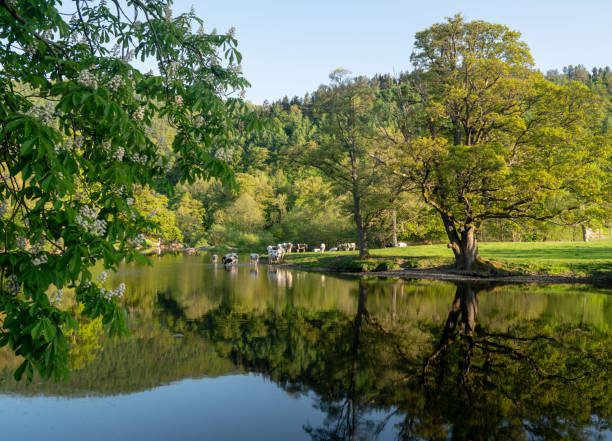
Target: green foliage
[(76, 119), (189, 217), (484, 136)]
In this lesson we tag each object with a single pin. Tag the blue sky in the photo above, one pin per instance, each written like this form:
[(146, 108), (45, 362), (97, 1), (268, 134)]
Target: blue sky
[(290, 47)]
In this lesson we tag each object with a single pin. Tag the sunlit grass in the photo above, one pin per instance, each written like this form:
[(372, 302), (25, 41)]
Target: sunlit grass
[(577, 258)]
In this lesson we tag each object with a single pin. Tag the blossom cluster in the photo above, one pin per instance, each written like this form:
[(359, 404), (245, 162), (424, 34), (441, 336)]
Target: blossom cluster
[(70, 143), (87, 220), (12, 285), (178, 100), (115, 83), (86, 78), (43, 114), (110, 293), (224, 154), (102, 277), (139, 159), (139, 114), (21, 243), (39, 256), (119, 153), (139, 240), (57, 296), (39, 260)]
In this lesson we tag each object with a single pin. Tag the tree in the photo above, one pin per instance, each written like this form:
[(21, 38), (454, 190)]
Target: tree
[(346, 133), (189, 215), (481, 135), (154, 206), (75, 117)]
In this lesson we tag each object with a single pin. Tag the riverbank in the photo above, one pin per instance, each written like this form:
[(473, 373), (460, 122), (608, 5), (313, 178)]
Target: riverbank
[(512, 262)]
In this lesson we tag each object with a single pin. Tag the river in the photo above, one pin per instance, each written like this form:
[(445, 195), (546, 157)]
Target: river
[(266, 353)]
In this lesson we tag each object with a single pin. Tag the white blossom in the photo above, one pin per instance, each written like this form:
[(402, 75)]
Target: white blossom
[(22, 243), (12, 285), (86, 78), (43, 114), (224, 154), (98, 227), (139, 114), (130, 201), (119, 153), (57, 296), (198, 121), (89, 212), (178, 100), (39, 260), (139, 240), (115, 83), (110, 293), (102, 277), (78, 141), (139, 159)]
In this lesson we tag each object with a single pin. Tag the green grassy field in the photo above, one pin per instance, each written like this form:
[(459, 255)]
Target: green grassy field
[(576, 258)]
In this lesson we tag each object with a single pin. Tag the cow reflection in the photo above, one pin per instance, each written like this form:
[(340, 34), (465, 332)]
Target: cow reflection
[(282, 277), (232, 270)]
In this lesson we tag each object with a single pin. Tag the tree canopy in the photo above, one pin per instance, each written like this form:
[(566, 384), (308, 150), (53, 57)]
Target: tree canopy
[(77, 143)]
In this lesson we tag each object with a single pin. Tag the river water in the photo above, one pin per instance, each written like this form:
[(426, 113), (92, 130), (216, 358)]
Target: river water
[(265, 353)]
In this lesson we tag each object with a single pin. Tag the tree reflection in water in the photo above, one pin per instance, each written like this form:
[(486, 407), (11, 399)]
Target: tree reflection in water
[(458, 380), (380, 358)]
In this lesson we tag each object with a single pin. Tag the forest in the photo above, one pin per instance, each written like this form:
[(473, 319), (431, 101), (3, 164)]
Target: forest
[(294, 177)]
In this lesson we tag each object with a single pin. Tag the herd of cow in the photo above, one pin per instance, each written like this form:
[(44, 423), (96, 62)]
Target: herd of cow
[(277, 253)]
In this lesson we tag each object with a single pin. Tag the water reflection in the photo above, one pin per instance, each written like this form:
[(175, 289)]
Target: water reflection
[(379, 359)]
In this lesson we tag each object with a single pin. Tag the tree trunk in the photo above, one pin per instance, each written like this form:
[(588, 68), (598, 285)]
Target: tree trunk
[(394, 236), (585, 237), (362, 241), (463, 244)]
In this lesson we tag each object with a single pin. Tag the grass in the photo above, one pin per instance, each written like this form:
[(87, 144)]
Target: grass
[(572, 258)]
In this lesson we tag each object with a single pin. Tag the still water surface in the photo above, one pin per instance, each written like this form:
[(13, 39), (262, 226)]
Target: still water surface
[(273, 354)]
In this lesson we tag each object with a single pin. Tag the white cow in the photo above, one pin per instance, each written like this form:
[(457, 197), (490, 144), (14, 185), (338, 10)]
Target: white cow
[(275, 254), (254, 258), (230, 259), (215, 258), (322, 247)]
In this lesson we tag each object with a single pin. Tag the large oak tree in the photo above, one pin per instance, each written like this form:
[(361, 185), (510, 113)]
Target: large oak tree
[(481, 134)]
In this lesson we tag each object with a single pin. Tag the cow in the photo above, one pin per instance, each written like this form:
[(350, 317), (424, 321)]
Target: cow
[(275, 254), (254, 258), (322, 247), (230, 259), (401, 244), (215, 258), (301, 247)]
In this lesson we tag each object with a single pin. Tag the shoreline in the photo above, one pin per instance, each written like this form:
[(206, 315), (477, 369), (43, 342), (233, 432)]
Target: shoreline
[(450, 275)]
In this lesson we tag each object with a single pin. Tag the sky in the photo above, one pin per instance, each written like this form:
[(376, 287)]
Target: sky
[(290, 47)]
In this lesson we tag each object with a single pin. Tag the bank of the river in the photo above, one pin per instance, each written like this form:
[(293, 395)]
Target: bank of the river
[(518, 262)]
